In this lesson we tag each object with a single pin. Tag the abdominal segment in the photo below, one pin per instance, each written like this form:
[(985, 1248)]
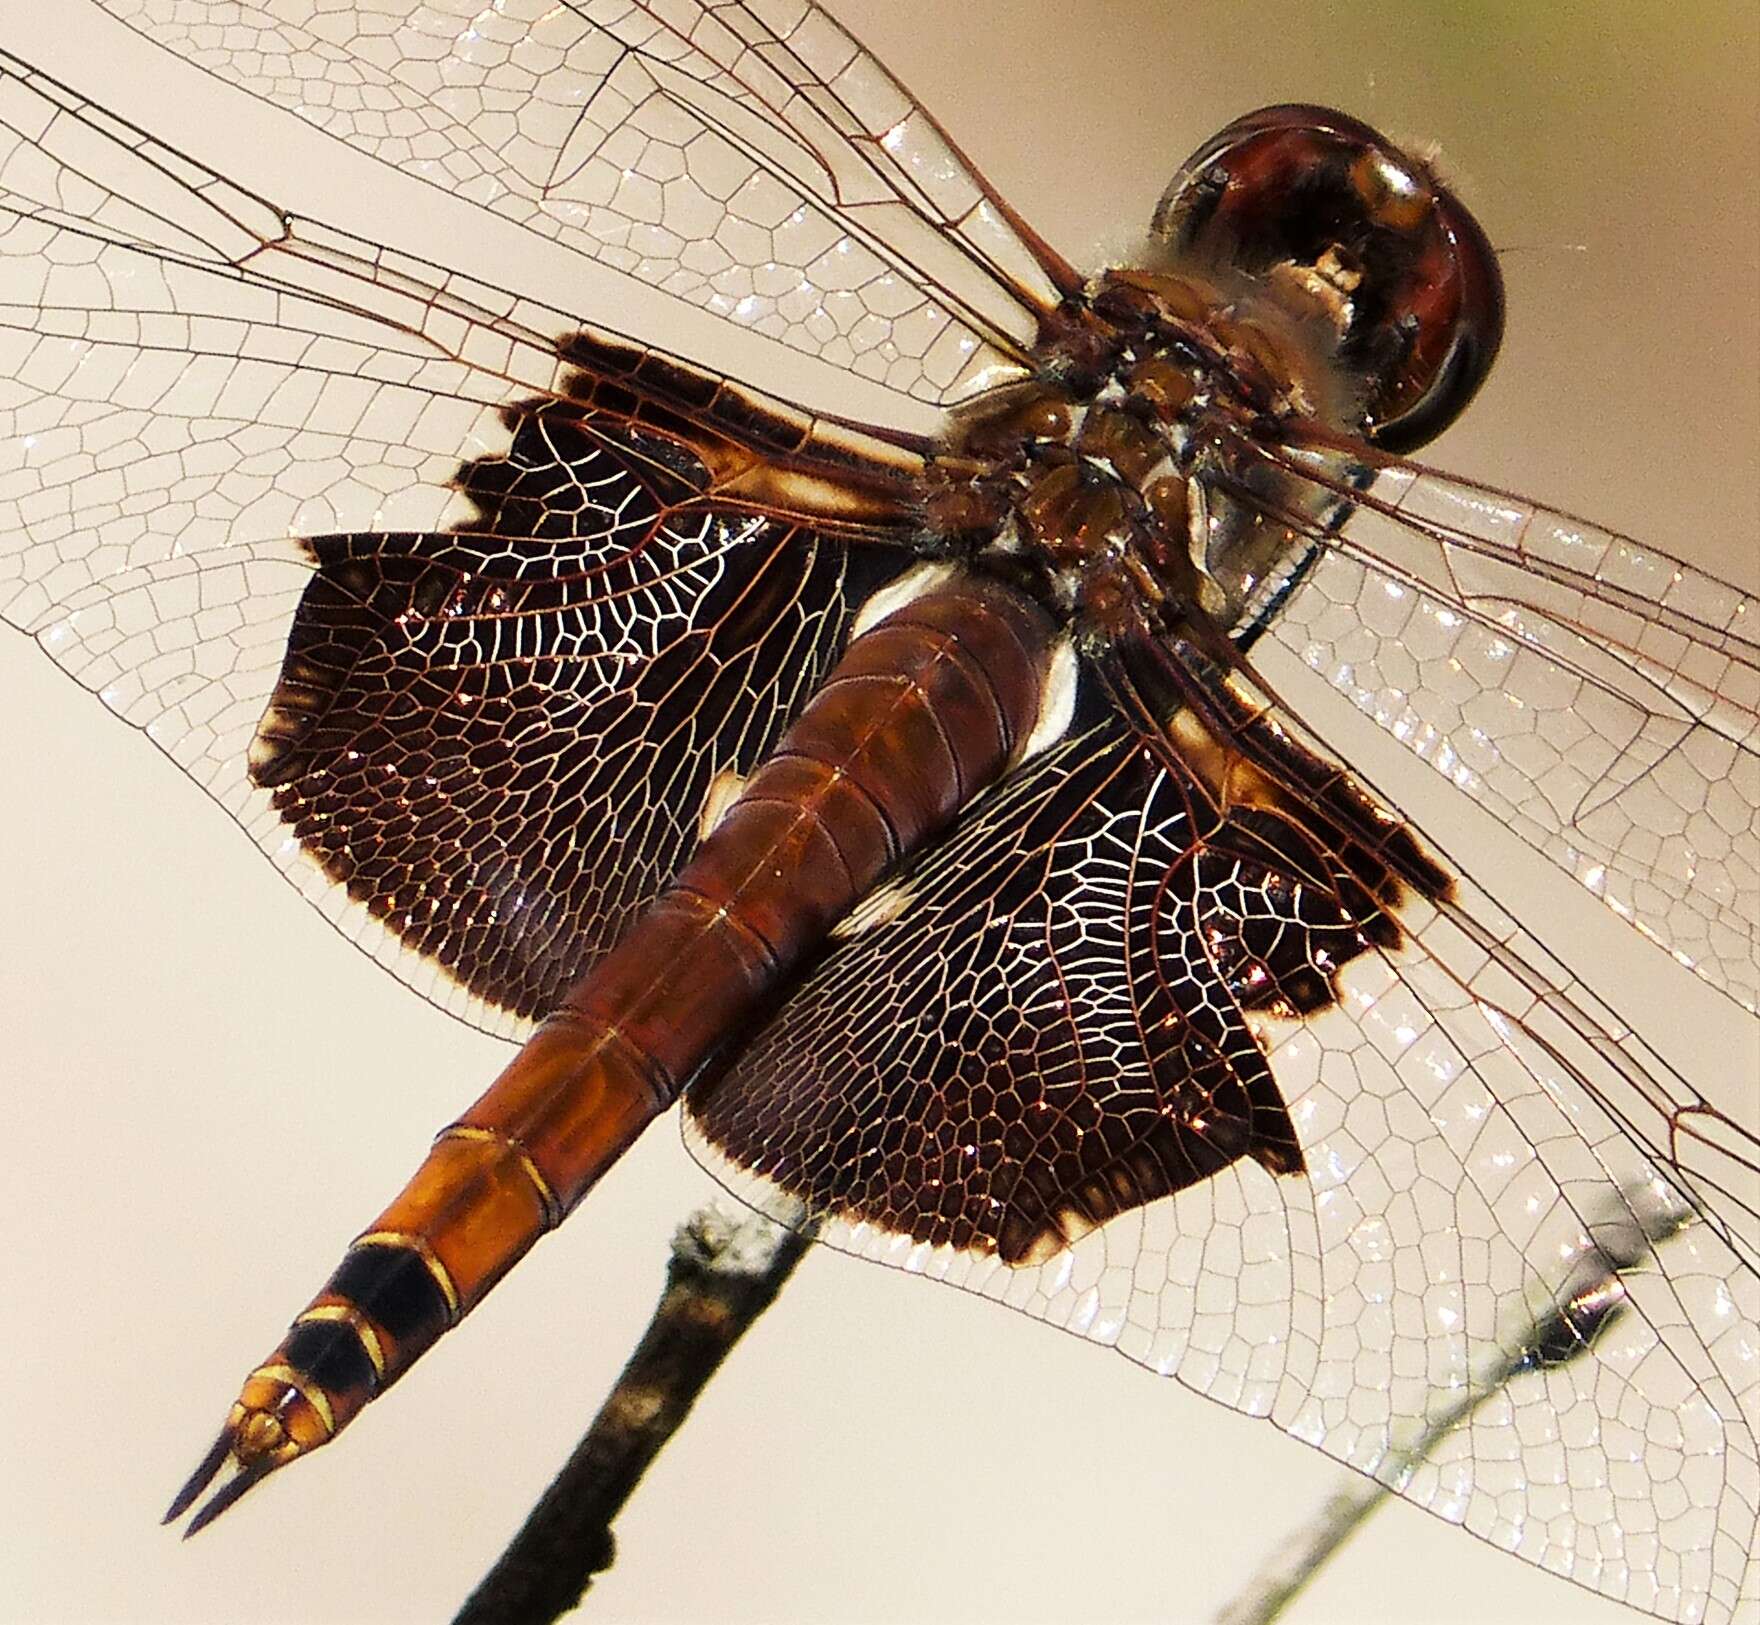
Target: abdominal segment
[(921, 713)]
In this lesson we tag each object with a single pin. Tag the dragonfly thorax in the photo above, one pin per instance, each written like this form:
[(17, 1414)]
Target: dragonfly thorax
[(1135, 479), (1185, 433)]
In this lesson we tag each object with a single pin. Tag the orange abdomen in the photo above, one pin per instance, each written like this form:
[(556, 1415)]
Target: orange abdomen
[(922, 712)]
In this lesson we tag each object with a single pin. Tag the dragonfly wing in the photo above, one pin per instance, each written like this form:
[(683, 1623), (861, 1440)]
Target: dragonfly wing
[(1269, 1107), (1597, 696), (750, 158), (463, 652)]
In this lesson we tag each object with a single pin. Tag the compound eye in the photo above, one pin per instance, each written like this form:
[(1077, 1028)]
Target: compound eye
[(1307, 197)]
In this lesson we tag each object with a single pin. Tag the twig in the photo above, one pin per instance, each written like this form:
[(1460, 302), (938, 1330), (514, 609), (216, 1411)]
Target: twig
[(723, 1274), (1590, 1300)]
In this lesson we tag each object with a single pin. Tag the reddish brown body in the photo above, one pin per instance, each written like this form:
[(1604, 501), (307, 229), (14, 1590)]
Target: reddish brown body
[(922, 712), (1084, 487), (546, 596)]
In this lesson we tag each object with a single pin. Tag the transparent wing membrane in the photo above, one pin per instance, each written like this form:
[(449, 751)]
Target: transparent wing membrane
[(1598, 696), (325, 524), (459, 606), (1097, 954), (750, 159)]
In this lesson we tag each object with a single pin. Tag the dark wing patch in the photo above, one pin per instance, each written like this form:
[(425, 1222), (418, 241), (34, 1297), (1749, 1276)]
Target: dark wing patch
[(1057, 1027), (500, 739), (1429, 1296), (230, 506)]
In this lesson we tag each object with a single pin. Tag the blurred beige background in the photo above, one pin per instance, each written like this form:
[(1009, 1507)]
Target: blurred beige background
[(205, 1094)]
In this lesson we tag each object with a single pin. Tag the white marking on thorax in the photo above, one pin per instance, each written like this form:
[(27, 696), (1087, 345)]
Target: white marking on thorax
[(1057, 701), (913, 584), (724, 790), (1007, 538)]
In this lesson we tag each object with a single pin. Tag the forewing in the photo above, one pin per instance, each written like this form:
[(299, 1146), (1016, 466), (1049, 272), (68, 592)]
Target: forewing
[(749, 158), (1597, 696), (461, 652), (1061, 1028)]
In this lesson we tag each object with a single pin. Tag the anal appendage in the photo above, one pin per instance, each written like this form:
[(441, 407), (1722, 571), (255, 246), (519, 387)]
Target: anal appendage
[(952, 679), (273, 1422)]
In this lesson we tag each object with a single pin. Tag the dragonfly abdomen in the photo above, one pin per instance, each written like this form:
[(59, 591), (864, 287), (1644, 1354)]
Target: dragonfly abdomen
[(923, 711)]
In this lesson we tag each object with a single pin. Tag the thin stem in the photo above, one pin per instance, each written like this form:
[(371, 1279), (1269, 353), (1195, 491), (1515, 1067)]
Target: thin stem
[(1590, 1300), (723, 1274)]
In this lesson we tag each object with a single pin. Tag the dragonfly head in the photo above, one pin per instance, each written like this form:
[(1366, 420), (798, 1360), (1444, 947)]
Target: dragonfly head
[(1327, 219)]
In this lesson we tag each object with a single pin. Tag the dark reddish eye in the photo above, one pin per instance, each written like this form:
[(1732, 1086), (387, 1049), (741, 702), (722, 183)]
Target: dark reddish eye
[(1411, 271)]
